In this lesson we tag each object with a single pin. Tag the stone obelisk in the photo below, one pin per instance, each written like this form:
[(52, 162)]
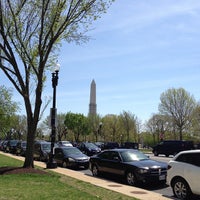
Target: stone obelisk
[(93, 105)]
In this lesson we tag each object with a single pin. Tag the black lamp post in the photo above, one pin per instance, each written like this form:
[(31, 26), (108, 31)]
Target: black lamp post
[(51, 164)]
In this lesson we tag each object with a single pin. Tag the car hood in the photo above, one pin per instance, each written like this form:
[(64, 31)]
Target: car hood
[(78, 157), (148, 163)]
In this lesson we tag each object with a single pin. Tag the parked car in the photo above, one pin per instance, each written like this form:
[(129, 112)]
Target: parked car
[(21, 148), (197, 146), (172, 147), (65, 143), (132, 165), (100, 145), (89, 148), (71, 157), (1, 145), (4, 144), (130, 145), (41, 150), (183, 174), (11, 146), (111, 145)]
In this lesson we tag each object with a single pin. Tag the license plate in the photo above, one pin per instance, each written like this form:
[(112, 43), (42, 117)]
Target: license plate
[(162, 177)]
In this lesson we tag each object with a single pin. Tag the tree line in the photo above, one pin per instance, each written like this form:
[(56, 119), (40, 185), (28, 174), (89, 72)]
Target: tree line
[(178, 118)]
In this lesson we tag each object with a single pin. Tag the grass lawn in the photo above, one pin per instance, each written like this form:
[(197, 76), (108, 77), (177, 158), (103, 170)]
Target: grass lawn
[(49, 186)]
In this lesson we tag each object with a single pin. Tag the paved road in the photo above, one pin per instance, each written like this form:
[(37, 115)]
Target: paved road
[(161, 189)]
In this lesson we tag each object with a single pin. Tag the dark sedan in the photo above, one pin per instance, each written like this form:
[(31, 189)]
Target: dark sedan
[(11, 146), (89, 148), (21, 148), (71, 157), (132, 165)]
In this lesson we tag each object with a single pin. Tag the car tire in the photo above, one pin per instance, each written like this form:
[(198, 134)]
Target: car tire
[(130, 178), (181, 189), (95, 170), (65, 164), (155, 153)]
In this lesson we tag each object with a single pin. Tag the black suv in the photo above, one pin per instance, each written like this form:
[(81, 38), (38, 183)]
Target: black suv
[(130, 145), (172, 147)]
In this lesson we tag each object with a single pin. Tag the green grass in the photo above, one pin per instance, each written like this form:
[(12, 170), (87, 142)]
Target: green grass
[(51, 186)]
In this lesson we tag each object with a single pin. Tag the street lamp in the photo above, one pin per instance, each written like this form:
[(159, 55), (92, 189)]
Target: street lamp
[(51, 164)]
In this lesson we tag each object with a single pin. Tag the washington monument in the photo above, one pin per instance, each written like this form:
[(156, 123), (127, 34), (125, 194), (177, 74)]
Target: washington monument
[(93, 105)]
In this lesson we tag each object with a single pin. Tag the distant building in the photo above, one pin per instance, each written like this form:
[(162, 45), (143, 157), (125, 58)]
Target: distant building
[(93, 105)]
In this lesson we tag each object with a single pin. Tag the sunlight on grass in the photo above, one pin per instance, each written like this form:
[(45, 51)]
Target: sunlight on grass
[(49, 186)]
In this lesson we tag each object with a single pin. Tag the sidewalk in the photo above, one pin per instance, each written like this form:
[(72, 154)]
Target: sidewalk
[(120, 188)]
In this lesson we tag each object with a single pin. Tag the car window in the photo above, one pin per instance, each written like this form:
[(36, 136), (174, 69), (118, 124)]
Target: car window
[(46, 147), (129, 156), (114, 156), (190, 158), (73, 150), (105, 155)]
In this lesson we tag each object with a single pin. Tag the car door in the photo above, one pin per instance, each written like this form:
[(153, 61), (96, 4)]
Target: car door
[(192, 171), (111, 163), (58, 156)]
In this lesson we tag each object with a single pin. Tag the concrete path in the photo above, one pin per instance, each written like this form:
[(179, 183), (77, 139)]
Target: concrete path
[(117, 187)]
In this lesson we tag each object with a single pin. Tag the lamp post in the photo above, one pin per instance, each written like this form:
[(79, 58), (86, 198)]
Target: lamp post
[(51, 164)]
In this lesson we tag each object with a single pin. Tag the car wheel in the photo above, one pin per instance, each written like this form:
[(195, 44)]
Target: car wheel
[(155, 153), (65, 164), (95, 170), (181, 189), (130, 178)]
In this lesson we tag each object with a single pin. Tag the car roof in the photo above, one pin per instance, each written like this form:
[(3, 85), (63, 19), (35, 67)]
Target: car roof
[(65, 147), (190, 151), (185, 152), (120, 150)]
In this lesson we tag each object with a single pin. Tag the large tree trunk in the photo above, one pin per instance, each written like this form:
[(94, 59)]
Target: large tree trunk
[(30, 146), (32, 121)]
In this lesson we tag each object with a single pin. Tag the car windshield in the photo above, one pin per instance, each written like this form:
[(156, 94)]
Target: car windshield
[(90, 145), (65, 142), (129, 156), (74, 150), (13, 142), (46, 147)]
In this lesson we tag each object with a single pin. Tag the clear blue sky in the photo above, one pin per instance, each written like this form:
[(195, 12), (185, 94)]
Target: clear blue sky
[(138, 50)]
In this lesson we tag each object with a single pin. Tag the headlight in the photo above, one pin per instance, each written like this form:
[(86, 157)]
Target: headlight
[(71, 160), (143, 170)]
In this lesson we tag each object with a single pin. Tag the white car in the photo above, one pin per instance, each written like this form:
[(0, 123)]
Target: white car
[(65, 143), (183, 174)]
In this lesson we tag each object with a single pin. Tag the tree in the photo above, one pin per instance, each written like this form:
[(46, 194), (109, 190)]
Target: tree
[(7, 110), (77, 123), (195, 129), (94, 121), (179, 105), (61, 128), (157, 125), (111, 128), (30, 34), (129, 123)]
